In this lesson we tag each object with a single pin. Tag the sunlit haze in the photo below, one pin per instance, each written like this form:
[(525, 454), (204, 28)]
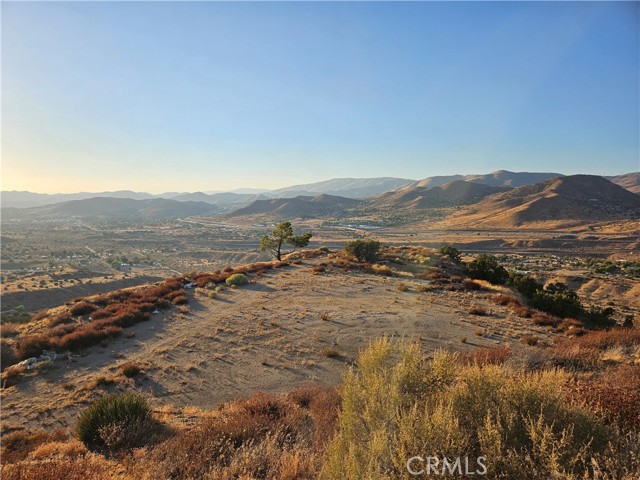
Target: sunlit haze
[(201, 96)]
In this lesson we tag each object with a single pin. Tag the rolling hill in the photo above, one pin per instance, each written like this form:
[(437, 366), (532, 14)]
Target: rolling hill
[(117, 207), (297, 207), (630, 181), (500, 178), (344, 187), (560, 202), (458, 192), (24, 199)]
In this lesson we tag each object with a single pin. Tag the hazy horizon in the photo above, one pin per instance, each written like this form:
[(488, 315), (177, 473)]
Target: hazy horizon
[(257, 188), (200, 96)]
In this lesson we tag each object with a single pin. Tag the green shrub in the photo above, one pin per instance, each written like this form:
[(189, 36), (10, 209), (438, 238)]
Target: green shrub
[(122, 409), (486, 267), (363, 250), (212, 294), (452, 252), (557, 299), (237, 279), (525, 284)]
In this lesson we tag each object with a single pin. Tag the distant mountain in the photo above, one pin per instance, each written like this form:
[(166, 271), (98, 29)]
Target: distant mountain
[(23, 199), (116, 207), (630, 181), (297, 207), (454, 193), (344, 187), (560, 202), (500, 178)]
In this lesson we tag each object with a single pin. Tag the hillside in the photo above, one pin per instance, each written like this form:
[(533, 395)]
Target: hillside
[(500, 178), (458, 192), (630, 181), (118, 207), (297, 207), (221, 199), (24, 199), (560, 202), (344, 187)]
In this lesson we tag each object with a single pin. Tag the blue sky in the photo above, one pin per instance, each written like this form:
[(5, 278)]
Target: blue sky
[(171, 96)]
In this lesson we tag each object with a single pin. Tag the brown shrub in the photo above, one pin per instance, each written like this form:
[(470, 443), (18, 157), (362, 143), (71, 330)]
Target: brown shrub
[(330, 352), (32, 345), (505, 300), (130, 369), (529, 340), (604, 339), (486, 356), (17, 445), (91, 466), (8, 354), (59, 319), (8, 330), (180, 300), (87, 336), (265, 427), (523, 311), (82, 308), (402, 287), (615, 393), (545, 320), (478, 311), (470, 285)]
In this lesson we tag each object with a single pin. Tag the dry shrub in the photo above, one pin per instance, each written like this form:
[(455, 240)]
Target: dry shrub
[(397, 402), (330, 352), (180, 300), (615, 392), (486, 356), (319, 268), (505, 300), (8, 355), (86, 336), (470, 285), (82, 308), (9, 330), (32, 345), (478, 311), (86, 467), (402, 287), (70, 449), (60, 319), (18, 445), (604, 339), (11, 375), (264, 437), (130, 369), (545, 320), (119, 438), (530, 340), (323, 404)]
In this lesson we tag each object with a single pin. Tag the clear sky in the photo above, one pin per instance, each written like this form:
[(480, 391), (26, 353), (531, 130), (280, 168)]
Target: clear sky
[(186, 96)]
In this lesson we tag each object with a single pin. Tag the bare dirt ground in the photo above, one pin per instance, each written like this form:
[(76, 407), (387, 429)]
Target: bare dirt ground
[(291, 327)]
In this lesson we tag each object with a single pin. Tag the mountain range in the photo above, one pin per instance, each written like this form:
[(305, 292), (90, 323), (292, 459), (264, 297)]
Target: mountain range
[(556, 203), (502, 197)]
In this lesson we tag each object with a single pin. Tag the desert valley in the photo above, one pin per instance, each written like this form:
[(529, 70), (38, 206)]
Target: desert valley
[(172, 299)]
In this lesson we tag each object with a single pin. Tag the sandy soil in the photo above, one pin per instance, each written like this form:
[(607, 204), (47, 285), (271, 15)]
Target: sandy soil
[(270, 336)]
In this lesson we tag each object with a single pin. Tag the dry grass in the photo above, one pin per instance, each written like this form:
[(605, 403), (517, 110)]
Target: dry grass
[(479, 311), (486, 356)]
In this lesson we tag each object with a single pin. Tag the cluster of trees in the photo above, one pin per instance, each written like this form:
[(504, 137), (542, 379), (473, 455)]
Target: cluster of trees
[(554, 298)]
